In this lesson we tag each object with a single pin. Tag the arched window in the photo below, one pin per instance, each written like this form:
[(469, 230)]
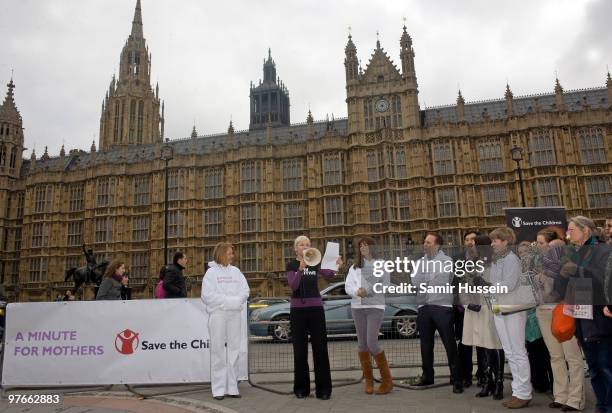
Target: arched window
[(13, 159), (140, 121), (2, 155), (132, 121)]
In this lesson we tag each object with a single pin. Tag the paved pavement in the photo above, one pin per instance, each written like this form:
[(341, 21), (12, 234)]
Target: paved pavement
[(349, 398)]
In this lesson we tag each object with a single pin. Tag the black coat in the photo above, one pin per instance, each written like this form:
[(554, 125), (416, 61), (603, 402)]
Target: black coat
[(594, 261), (174, 282)]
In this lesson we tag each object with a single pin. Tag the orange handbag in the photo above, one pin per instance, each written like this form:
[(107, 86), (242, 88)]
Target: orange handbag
[(563, 327)]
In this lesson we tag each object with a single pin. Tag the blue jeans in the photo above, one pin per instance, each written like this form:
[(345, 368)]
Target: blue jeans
[(598, 359)]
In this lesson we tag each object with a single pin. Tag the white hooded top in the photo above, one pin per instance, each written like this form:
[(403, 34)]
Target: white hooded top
[(357, 279), (224, 288)]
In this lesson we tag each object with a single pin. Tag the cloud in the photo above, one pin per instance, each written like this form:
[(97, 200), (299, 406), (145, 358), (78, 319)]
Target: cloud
[(205, 55)]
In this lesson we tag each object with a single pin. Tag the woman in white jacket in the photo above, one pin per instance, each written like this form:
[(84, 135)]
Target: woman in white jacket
[(224, 292), (368, 309)]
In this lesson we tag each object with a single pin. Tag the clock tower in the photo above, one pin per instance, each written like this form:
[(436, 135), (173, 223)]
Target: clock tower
[(382, 96)]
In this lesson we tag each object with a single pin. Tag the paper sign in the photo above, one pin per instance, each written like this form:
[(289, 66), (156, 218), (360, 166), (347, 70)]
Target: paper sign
[(332, 252)]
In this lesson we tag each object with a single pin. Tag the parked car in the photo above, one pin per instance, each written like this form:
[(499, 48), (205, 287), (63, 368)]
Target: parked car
[(263, 302), (338, 316)]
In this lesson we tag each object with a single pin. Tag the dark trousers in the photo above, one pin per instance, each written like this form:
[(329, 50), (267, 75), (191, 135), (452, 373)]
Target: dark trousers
[(539, 363), (429, 319), (464, 353), (599, 361), (305, 321)]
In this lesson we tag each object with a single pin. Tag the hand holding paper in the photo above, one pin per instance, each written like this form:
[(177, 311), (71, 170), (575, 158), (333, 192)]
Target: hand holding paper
[(330, 259)]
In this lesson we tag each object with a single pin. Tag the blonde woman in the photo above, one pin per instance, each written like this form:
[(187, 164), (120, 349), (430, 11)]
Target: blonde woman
[(224, 292), (307, 317)]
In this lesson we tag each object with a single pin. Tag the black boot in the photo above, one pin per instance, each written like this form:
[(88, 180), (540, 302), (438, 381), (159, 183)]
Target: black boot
[(487, 384), (482, 366), (498, 374)]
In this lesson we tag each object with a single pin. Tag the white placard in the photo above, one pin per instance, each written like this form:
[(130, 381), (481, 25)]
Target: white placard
[(109, 342), (578, 311), (332, 252)]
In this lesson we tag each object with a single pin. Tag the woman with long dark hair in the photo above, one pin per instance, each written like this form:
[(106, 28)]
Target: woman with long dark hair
[(114, 279), (479, 327), (368, 309)]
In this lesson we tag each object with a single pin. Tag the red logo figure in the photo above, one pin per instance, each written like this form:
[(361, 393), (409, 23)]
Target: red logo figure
[(126, 341)]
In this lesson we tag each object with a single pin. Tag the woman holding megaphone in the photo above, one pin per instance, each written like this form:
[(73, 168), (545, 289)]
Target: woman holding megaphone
[(307, 316)]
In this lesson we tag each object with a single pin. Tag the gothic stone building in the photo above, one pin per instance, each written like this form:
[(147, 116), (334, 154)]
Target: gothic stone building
[(391, 170)]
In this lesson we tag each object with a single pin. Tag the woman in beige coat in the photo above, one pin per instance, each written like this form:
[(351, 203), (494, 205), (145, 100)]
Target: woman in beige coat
[(479, 327)]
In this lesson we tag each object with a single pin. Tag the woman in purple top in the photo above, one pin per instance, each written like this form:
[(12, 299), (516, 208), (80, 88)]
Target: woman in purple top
[(307, 316)]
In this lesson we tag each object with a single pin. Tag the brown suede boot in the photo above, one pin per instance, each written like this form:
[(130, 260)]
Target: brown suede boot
[(366, 366), (517, 403), (386, 382)]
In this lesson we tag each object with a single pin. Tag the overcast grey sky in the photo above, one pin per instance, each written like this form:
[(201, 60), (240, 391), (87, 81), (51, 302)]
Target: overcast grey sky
[(205, 53)]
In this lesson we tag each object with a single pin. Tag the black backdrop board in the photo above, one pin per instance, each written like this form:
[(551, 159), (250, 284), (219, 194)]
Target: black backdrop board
[(527, 222)]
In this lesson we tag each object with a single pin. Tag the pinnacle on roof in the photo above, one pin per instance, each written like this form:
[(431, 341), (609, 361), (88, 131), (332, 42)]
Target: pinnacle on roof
[(508, 94), (460, 100), (609, 80), (230, 129), (194, 133), (269, 61), (309, 118), (405, 40), (350, 46), (8, 110), (558, 87), (137, 22)]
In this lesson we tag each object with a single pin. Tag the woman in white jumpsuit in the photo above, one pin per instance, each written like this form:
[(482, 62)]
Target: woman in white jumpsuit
[(224, 292)]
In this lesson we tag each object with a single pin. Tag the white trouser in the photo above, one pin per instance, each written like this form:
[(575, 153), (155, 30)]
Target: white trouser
[(568, 386), (224, 327), (511, 331)]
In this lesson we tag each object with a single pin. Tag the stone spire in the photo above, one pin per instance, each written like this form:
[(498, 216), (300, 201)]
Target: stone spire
[(559, 100), (62, 152), (45, 156), (8, 110), (407, 54), (137, 22), (309, 118), (351, 63), (230, 129), (509, 101), (33, 156), (131, 96), (460, 107), (609, 85), (194, 133), (93, 146)]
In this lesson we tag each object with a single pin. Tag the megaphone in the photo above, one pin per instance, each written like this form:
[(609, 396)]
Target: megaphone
[(312, 257)]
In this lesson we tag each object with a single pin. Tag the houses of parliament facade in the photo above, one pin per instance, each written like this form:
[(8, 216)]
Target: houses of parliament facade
[(390, 170)]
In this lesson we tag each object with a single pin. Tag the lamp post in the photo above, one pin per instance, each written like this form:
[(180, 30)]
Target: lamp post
[(167, 153), (517, 156)]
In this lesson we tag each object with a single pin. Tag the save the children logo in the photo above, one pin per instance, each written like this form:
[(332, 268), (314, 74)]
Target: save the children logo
[(127, 341), (516, 222)]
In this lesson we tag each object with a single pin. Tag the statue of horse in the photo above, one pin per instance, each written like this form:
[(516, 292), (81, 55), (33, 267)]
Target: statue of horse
[(86, 275)]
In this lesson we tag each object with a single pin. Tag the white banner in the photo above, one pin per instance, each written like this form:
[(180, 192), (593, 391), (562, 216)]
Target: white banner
[(109, 342)]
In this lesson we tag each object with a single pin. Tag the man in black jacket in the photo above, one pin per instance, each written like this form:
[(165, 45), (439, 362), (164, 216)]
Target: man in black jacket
[(174, 281)]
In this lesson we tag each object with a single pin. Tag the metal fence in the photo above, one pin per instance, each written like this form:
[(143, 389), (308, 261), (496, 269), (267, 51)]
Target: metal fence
[(271, 355)]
